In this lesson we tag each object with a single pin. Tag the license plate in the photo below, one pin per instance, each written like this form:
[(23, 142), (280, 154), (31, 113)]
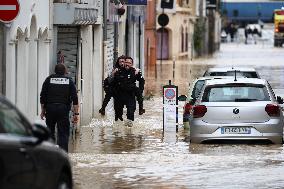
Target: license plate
[(235, 130)]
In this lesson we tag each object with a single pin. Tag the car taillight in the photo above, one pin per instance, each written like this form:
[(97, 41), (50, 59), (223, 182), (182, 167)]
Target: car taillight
[(199, 111), (272, 110), (187, 108), (276, 30)]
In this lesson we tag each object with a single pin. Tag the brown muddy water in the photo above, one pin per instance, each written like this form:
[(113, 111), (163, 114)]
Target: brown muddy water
[(108, 155)]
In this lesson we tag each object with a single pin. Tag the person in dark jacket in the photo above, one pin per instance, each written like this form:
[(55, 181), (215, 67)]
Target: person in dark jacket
[(125, 87), (57, 94), (108, 88), (139, 90)]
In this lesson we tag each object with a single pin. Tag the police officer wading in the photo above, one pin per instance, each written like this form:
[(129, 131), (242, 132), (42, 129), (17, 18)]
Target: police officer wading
[(57, 94), (125, 88), (108, 84)]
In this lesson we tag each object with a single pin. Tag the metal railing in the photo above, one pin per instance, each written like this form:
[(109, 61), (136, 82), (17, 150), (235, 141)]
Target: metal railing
[(70, 1)]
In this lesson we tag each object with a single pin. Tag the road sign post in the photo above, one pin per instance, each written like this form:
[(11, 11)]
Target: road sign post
[(9, 10), (170, 108)]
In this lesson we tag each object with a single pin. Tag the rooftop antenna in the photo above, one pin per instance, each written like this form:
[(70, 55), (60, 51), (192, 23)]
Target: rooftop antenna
[(235, 75)]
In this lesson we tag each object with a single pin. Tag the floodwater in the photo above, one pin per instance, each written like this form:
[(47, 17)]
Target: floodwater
[(106, 154)]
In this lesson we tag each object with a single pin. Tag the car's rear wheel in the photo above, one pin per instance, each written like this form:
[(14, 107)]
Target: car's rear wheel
[(65, 182)]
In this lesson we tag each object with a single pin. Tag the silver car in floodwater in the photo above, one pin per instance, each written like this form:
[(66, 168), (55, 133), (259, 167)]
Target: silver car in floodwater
[(237, 109)]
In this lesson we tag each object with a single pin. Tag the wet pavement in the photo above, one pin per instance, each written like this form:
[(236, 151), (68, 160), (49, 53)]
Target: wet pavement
[(106, 154)]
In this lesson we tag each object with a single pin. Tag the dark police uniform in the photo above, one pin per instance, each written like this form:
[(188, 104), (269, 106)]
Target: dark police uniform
[(58, 91), (139, 91), (108, 88), (107, 85), (124, 90)]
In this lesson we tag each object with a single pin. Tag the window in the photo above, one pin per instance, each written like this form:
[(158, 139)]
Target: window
[(186, 40), (236, 93), (232, 73), (12, 122), (197, 88), (270, 88), (182, 39)]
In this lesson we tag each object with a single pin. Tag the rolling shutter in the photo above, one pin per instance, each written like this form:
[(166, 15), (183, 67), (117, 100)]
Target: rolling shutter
[(67, 43), (109, 49)]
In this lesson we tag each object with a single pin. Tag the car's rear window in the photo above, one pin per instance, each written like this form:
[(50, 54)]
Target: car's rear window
[(235, 93), (232, 73)]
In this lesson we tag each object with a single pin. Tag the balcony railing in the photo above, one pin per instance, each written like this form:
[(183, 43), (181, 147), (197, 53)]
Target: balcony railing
[(72, 13), (68, 1)]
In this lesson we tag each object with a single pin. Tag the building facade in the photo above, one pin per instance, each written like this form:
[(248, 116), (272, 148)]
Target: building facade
[(134, 34), (27, 57), (174, 40), (150, 34), (85, 35), (77, 42)]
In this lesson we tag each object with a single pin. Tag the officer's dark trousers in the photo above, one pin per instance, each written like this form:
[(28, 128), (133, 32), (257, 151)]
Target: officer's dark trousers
[(118, 108), (107, 98), (128, 101), (59, 114), (139, 96)]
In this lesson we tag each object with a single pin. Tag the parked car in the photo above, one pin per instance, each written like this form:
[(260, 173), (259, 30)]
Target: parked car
[(28, 159), (245, 109), (193, 93), (248, 72)]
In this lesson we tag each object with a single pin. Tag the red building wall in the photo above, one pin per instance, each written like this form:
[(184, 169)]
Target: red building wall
[(150, 34)]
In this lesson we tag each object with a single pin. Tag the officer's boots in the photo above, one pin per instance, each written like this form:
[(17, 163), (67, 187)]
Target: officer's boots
[(102, 111), (141, 109), (118, 117)]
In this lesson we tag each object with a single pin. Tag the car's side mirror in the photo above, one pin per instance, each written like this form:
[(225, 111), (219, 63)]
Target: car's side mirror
[(41, 132), (279, 100), (182, 98)]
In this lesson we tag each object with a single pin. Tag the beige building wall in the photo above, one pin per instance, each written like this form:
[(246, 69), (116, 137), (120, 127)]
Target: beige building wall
[(180, 18)]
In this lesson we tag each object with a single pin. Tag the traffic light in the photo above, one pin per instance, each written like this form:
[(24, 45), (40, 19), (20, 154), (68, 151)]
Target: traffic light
[(167, 4)]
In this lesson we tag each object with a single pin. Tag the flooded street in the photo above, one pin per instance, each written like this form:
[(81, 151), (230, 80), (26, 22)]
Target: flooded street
[(106, 154)]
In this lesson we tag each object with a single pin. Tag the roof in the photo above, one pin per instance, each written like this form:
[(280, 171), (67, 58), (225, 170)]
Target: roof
[(233, 68), (255, 81), (212, 77)]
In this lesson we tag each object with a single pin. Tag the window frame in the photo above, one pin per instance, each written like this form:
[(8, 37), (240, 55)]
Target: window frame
[(205, 97)]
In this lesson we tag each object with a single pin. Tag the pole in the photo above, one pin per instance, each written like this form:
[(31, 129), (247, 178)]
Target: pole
[(139, 42), (105, 9), (115, 47), (161, 50), (174, 67)]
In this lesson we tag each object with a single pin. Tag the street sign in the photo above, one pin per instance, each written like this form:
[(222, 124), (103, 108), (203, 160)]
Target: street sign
[(9, 10), (163, 19), (170, 109), (167, 4)]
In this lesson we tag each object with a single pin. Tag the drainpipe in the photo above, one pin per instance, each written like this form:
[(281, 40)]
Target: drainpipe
[(3, 66), (105, 9), (115, 46), (139, 42), (127, 34)]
